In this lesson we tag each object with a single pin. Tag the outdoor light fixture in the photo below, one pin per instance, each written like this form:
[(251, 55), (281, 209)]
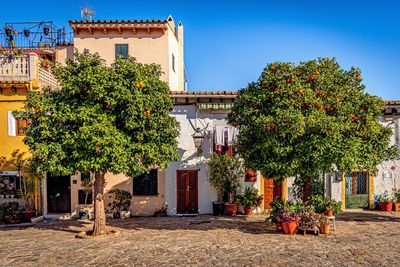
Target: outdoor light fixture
[(198, 139)]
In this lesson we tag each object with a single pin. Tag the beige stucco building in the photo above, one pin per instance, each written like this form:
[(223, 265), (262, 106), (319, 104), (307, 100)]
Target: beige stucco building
[(149, 41)]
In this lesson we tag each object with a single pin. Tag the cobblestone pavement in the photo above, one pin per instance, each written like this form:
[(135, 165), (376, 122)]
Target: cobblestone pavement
[(362, 238)]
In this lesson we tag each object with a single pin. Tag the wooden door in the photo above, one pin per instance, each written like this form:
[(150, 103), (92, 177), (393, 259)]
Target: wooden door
[(272, 190), (58, 194), (187, 191)]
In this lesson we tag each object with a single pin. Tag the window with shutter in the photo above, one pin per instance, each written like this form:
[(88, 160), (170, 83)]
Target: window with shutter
[(21, 125), (146, 184)]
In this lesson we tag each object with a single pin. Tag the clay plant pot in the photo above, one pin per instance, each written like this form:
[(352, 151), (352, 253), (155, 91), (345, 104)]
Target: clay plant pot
[(329, 213), (27, 215), (324, 229), (290, 228), (396, 207), (247, 211), (386, 206), (230, 209)]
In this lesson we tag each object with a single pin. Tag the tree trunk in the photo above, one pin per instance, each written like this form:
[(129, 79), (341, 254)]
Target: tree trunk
[(99, 213)]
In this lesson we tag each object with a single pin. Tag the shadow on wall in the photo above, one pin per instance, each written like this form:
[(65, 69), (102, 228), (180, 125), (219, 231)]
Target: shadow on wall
[(145, 205)]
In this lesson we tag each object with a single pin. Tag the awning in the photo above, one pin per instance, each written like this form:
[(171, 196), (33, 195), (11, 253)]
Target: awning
[(215, 105)]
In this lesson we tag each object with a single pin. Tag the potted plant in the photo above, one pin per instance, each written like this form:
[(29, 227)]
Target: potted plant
[(324, 225), (225, 174), (121, 201), (250, 199), (333, 207), (396, 200), (385, 203), (289, 220), (276, 206), (10, 213), (309, 221), (27, 176)]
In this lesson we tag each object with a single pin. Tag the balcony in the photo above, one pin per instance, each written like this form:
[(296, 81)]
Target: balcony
[(26, 69)]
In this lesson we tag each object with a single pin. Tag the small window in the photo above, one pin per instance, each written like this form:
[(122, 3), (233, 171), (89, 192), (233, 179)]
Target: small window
[(173, 62), (85, 197), (121, 50), (145, 184), (21, 125)]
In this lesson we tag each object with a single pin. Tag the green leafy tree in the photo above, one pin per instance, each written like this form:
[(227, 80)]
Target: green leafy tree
[(104, 119), (300, 120)]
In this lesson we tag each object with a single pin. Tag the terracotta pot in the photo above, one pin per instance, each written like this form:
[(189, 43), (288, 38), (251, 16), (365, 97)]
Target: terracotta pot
[(324, 229), (396, 207), (290, 228), (386, 206), (27, 215), (329, 213), (230, 209), (247, 211)]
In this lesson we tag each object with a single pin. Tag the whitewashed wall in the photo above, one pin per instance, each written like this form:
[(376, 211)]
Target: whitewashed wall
[(186, 116)]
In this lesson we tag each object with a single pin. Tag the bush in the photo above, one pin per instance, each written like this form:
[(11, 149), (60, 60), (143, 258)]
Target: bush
[(250, 198), (121, 200)]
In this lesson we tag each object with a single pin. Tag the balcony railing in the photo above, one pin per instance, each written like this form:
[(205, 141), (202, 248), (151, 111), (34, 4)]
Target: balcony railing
[(26, 69)]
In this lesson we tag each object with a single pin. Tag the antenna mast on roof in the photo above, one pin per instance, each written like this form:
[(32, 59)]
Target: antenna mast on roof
[(87, 12)]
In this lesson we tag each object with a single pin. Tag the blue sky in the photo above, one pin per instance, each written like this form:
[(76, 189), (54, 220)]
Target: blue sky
[(227, 43)]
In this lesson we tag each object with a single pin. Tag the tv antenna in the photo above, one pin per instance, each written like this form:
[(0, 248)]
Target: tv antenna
[(87, 12)]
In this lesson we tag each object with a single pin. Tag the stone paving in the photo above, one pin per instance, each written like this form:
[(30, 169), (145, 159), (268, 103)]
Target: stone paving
[(362, 239)]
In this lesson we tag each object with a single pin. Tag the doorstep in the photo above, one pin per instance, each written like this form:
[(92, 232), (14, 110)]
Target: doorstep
[(58, 216)]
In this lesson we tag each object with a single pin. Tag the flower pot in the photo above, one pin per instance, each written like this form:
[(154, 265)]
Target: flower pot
[(329, 213), (27, 215), (84, 214), (396, 207), (247, 211), (218, 208), (386, 206), (324, 229), (230, 209), (278, 226), (290, 228), (260, 200)]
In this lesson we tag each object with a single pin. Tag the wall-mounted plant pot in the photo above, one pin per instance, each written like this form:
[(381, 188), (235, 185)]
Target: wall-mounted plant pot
[(230, 209)]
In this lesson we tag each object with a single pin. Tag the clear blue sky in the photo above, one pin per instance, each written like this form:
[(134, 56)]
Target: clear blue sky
[(227, 43)]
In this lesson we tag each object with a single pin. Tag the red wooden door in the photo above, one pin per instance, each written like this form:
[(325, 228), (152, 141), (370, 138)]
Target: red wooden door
[(187, 191), (271, 191)]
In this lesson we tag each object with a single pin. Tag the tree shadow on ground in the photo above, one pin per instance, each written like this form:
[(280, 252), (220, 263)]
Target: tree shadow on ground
[(368, 216), (71, 226)]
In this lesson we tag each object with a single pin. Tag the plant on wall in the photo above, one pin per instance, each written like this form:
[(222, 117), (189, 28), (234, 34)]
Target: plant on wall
[(300, 120)]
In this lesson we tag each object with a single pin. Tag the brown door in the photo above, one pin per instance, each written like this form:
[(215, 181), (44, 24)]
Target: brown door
[(58, 194), (272, 190), (187, 191)]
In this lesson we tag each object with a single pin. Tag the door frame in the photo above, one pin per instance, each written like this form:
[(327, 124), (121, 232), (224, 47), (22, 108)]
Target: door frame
[(370, 178), (187, 198)]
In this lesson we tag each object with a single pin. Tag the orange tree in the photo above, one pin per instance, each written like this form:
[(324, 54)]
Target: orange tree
[(301, 120), (103, 119)]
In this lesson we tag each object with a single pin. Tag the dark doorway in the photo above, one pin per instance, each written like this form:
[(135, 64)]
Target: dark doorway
[(58, 194), (187, 191)]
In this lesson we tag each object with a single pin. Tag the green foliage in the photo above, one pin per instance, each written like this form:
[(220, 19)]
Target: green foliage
[(225, 173), (121, 200), (300, 120), (105, 118), (10, 212), (318, 203), (250, 197), (396, 194)]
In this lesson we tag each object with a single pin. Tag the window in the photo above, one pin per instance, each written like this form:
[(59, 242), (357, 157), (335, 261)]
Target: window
[(145, 184), (121, 50), (85, 197), (21, 125), (173, 62)]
